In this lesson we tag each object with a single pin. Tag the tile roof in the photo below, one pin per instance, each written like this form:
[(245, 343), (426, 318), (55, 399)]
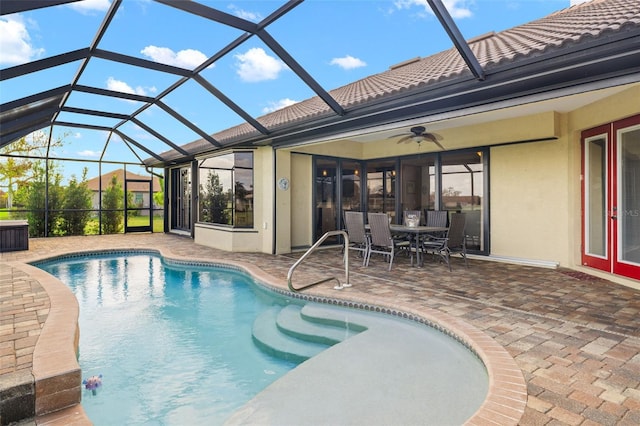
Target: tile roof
[(94, 183), (561, 30)]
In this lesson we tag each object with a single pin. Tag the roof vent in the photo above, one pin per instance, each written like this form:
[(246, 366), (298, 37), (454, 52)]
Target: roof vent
[(407, 62), (482, 37)]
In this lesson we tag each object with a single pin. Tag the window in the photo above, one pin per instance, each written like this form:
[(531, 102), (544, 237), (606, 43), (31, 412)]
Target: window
[(226, 190)]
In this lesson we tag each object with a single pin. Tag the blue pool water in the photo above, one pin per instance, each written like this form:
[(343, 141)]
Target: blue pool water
[(173, 344)]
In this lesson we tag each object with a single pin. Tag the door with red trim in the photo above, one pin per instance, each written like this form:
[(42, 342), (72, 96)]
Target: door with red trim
[(611, 197)]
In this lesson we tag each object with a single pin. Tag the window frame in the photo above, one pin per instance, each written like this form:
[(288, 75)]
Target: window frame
[(229, 189)]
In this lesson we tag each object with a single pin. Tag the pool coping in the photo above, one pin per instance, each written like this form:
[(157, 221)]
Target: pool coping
[(507, 391), (55, 372)]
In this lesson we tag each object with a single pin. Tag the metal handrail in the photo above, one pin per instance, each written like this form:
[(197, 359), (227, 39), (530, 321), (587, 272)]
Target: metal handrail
[(311, 250)]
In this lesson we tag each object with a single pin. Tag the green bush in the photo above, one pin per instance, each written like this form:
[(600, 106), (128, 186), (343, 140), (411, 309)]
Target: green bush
[(112, 207), (77, 206)]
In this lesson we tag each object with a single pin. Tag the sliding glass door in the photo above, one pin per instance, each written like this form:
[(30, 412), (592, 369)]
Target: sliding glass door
[(462, 191), (180, 199), (381, 187), (453, 181), (325, 198)]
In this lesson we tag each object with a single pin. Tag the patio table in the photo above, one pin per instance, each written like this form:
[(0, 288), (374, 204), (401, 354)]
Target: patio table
[(417, 232)]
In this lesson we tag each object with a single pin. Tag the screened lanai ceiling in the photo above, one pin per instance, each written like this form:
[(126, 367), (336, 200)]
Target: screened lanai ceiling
[(252, 73)]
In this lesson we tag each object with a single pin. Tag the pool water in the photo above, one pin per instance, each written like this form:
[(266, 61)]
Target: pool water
[(173, 344)]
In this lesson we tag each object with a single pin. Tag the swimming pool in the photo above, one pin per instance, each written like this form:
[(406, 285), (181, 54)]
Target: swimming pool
[(167, 351), (172, 343)]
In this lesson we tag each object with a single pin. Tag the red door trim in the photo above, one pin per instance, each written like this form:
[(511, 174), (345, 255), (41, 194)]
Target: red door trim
[(588, 260)]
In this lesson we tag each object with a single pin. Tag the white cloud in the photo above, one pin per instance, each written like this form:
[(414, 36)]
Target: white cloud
[(15, 42), (256, 65), (188, 58), (575, 2), (348, 62), (89, 153), (121, 86), (245, 14), (282, 103), (456, 8), (87, 7)]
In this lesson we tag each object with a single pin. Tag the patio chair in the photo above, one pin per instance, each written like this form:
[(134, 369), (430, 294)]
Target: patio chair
[(381, 240), (453, 242), (436, 218), (358, 238)]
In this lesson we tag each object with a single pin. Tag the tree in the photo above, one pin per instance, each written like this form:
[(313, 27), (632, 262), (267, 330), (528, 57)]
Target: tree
[(213, 201), (19, 159), (112, 207), (43, 216), (158, 197), (77, 205)]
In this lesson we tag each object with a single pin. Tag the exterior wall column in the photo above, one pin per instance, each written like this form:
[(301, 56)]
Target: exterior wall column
[(283, 202)]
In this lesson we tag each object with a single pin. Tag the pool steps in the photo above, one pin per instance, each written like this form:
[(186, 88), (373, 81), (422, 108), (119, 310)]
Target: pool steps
[(293, 322), (272, 341), (297, 333)]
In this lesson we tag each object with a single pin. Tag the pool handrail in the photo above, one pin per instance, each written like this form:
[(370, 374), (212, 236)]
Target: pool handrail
[(311, 249)]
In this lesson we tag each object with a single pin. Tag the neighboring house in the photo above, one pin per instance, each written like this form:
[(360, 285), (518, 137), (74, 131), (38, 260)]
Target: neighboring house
[(542, 150), (138, 185)]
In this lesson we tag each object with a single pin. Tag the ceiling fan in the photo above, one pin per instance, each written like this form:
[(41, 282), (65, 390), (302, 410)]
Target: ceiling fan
[(419, 135)]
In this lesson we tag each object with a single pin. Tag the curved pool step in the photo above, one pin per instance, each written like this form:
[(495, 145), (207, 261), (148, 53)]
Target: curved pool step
[(349, 319), (292, 323), (272, 341)]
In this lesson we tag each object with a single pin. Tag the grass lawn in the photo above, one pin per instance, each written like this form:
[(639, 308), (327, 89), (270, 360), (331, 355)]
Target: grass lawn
[(92, 225), (158, 222)]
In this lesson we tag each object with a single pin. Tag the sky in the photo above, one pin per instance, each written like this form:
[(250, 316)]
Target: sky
[(336, 41)]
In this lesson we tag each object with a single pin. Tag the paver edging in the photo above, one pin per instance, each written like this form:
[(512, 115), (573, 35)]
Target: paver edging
[(56, 372)]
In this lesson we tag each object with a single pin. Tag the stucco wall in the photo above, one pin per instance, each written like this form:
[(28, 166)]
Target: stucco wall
[(301, 196), (529, 201)]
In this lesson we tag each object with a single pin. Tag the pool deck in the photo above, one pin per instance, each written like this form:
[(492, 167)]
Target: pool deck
[(574, 337)]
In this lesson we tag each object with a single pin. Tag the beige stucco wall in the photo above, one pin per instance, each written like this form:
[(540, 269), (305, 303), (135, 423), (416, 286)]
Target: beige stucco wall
[(283, 203), (301, 196), (529, 200)]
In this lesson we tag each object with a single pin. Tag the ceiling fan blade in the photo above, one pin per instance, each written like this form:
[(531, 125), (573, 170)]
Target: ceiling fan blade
[(396, 136), (405, 139), (437, 143)]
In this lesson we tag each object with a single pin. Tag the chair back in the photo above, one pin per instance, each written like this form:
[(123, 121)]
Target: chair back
[(411, 218), (380, 230), (436, 218), (456, 230), (354, 222)]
